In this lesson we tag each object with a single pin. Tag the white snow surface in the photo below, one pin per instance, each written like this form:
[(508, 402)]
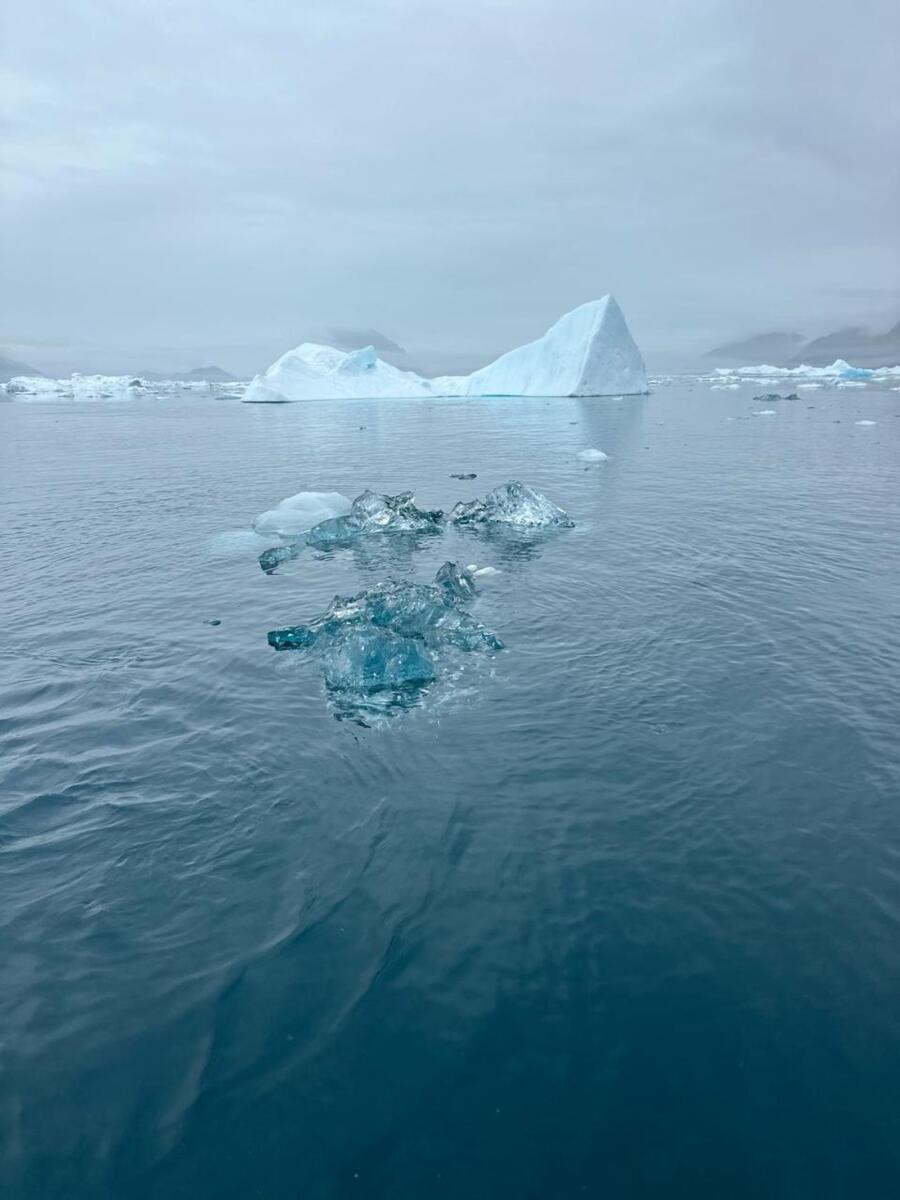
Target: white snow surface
[(588, 352), (296, 514)]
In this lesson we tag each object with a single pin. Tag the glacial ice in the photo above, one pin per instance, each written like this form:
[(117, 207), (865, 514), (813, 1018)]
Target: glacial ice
[(592, 455), (391, 638), (588, 352), (514, 504), (296, 514)]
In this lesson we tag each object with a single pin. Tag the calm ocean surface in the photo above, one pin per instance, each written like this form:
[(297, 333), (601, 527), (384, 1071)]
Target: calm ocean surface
[(615, 913)]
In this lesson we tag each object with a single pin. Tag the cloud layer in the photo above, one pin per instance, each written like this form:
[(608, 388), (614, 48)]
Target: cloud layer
[(192, 182)]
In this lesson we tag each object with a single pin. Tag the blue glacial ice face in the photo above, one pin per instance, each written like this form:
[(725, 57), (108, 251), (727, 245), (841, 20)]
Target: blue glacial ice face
[(513, 504), (391, 637)]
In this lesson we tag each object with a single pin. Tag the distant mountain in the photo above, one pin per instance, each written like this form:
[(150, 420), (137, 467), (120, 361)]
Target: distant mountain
[(854, 344), (9, 369), (197, 375), (358, 339), (772, 348)]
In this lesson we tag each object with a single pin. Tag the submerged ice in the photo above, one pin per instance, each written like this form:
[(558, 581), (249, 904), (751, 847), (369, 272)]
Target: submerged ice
[(391, 638), (587, 352)]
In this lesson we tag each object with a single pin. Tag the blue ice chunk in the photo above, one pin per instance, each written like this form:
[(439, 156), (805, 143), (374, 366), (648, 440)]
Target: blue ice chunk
[(374, 660)]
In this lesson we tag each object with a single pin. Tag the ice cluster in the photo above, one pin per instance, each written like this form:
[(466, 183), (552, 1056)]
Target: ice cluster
[(35, 388), (382, 646), (514, 504), (839, 372)]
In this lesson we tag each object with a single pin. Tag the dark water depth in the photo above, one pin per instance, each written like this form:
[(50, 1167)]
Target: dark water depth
[(615, 913)]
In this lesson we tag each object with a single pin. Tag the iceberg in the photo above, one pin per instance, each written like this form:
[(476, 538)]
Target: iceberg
[(313, 372), (513, 504), (588, 352), (391, 638)]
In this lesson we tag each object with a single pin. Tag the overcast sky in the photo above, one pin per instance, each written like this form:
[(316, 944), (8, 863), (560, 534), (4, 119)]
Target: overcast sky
[(194, 181)]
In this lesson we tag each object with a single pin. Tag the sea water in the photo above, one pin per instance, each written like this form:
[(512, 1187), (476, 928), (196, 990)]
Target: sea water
[(612, 912)]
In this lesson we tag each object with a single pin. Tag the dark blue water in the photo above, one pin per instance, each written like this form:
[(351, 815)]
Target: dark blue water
[(615, 913)]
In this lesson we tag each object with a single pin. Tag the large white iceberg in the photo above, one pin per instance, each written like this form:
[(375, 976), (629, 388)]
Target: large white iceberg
[(588, 352)]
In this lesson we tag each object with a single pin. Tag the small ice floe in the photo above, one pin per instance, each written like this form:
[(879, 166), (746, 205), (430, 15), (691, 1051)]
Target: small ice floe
[(482, 572), (851, 383), (808, 387), (771, 397), (592, 455), (864, 422), (724, 387), (513, 504), (296, 514), (764, 412)]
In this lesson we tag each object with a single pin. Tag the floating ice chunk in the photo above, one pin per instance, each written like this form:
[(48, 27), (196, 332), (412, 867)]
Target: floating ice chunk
[(457, 582), (808, 386), (771, 397), (865, 422), (592, 455), (511, 504), (724, 387), (297, 514), (374, 513), (851, 383), (764, 412), (390, 637), (482, 572)]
